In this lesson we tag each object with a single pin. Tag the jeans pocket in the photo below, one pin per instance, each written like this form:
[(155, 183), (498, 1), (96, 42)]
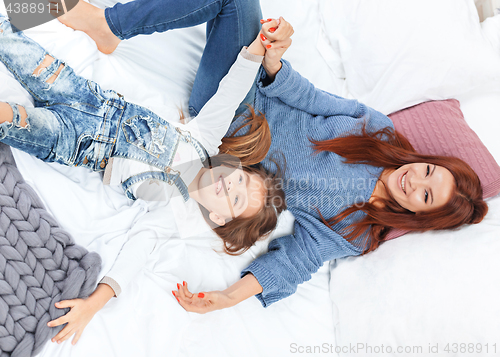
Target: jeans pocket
[(84, 152), (148, 134), (96, 90)]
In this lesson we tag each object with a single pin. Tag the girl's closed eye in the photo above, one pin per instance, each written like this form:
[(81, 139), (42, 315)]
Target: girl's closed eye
[(235, 200), (241, 179), (428, 170), (426, 195)]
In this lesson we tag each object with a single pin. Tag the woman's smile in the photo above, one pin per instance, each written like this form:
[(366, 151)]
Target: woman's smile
[(402, 180)]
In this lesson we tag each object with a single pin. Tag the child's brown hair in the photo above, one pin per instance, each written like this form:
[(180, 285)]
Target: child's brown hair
[(240, 233)]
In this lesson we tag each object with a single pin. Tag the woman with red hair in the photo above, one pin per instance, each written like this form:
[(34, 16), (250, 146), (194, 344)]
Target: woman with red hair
[(349, 179)]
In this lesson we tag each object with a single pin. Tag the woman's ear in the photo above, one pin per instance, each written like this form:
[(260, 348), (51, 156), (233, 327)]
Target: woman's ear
[(214, 217)]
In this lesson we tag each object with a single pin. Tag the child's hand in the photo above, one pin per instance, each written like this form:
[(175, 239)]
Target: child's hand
[(201, 302), (82, 311), (275, 37)]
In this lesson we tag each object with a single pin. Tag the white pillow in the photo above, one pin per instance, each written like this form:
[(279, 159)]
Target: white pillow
[(491, 29), (398, 53), (422, 290)]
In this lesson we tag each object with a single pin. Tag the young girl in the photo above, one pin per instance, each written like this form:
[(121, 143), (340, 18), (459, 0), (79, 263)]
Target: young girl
[(76, 123)]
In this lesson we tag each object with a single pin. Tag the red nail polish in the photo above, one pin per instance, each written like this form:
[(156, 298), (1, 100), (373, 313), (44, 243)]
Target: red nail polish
[(201, 295), (177, 299), (263, 37), (184, 283), (272, 29), (178, 286), (268, 46), (269, 20), (262, 21), (173, 293)]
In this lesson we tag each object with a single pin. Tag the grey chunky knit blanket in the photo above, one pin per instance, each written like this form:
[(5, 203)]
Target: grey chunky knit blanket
[(39, 266)]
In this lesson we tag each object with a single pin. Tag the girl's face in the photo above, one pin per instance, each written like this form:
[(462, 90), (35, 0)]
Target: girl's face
[(420, 187), (229, 193)]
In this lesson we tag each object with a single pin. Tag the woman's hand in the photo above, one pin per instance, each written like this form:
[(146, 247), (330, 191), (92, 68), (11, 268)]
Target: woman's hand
[(202, 302), (82, 311), (217, 300), (275, 37)]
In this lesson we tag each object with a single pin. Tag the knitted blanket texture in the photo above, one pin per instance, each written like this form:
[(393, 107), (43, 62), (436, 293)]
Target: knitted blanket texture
[(39, 266)]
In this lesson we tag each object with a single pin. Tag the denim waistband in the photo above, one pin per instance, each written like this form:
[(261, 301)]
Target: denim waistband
[(107, 134)]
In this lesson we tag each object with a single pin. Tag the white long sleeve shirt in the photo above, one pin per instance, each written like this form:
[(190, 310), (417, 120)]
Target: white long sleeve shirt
[(209, 127)]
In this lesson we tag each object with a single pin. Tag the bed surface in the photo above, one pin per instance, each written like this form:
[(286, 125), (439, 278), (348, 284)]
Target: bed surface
[(147, 320)]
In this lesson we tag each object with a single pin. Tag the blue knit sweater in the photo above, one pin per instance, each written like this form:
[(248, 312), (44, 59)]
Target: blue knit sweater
[(297, 111)]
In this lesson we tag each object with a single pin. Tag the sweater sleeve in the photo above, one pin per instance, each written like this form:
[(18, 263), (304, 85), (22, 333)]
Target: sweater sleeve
[(214, 118), (296, 91), (292, 259)]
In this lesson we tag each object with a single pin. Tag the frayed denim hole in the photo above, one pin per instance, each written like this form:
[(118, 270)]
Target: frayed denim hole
[(4, 129), (18, 117), (46, 65), (42, 66)]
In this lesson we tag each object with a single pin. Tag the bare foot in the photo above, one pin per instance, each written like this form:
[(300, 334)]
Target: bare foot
[(90, 19)]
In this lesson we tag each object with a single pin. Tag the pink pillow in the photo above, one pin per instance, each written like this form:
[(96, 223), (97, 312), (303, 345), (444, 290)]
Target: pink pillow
[(439, 128)]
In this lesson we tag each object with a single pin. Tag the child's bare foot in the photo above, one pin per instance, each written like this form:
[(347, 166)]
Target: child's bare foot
[(91, 20)]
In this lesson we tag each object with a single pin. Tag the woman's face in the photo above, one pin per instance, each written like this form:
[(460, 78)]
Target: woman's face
[(421, 187)]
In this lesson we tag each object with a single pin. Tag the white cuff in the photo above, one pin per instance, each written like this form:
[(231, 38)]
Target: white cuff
[(112, 284), (250, 56)]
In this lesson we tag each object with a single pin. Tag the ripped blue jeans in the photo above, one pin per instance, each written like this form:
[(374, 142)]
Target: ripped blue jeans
[(75, 122)]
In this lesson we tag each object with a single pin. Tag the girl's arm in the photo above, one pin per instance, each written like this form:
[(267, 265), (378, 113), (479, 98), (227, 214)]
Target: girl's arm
[(133, 256), (210, 125), (131, 259), (82, 311)]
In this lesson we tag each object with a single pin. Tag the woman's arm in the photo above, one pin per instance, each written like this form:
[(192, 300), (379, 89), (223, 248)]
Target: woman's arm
[(217, 300), (290, 261), (297, 92)]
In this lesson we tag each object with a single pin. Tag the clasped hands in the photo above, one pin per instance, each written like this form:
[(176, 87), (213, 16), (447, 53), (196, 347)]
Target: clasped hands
[(275, 37)]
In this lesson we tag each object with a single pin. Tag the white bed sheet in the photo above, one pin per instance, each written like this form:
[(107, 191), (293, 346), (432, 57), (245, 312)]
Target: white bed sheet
[(157, 72), (147, 321)]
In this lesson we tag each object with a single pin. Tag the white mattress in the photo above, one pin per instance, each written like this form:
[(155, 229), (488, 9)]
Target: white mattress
[(157, 71)]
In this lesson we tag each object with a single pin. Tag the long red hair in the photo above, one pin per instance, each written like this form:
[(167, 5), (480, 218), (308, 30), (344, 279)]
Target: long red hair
[(389, 149)]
